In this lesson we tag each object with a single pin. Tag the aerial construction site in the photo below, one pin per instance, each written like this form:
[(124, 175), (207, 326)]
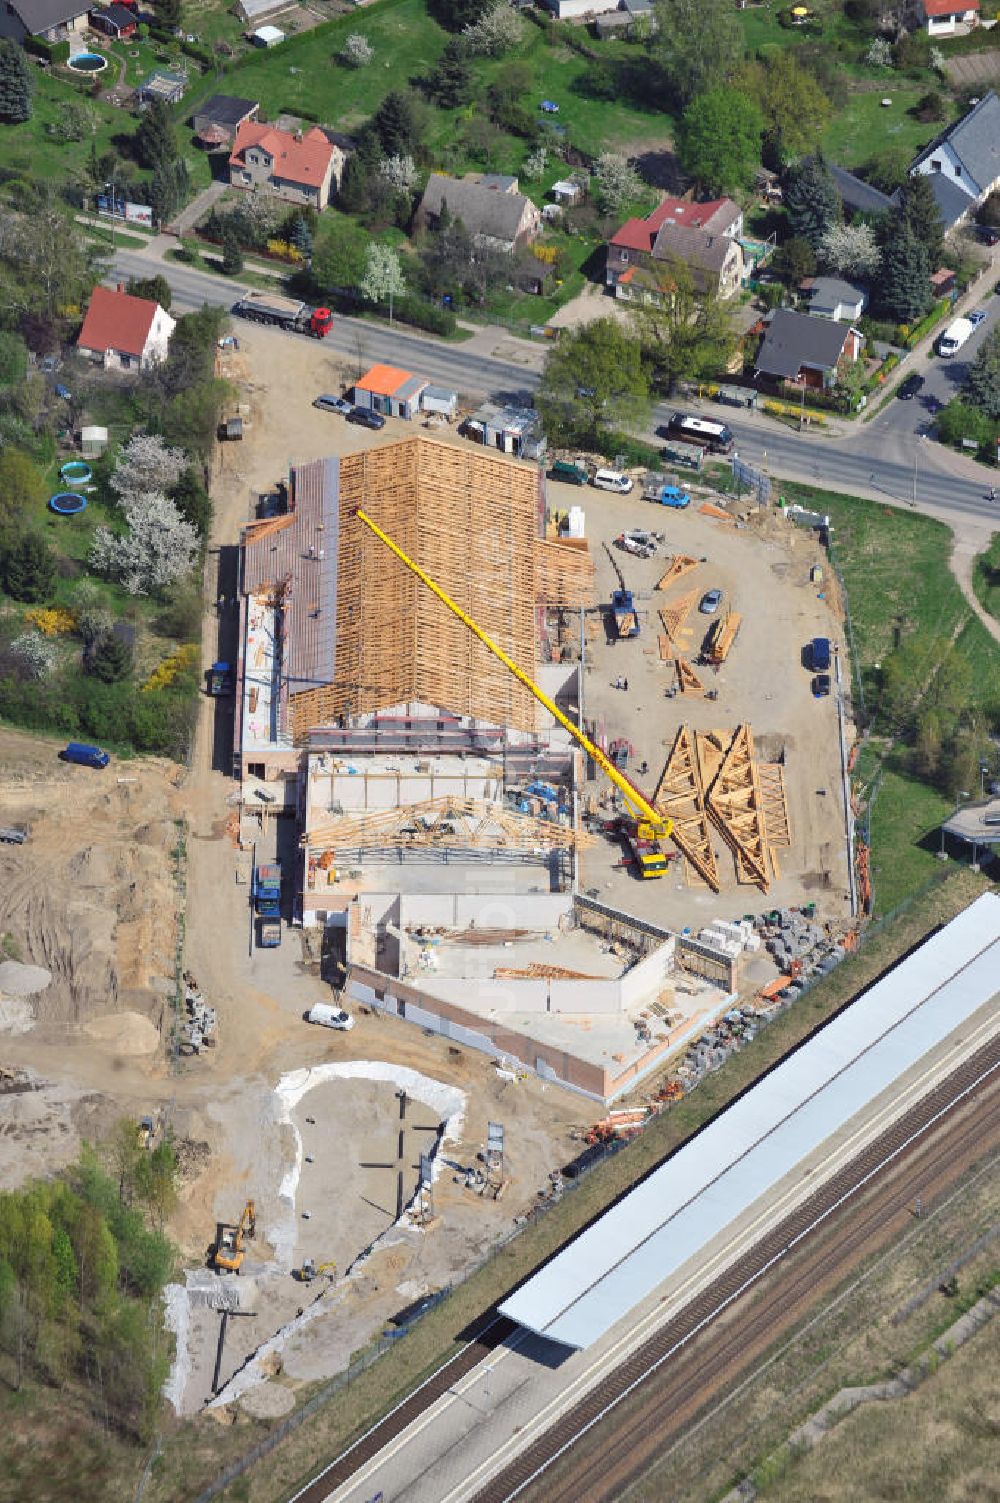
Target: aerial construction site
[(487, 785)]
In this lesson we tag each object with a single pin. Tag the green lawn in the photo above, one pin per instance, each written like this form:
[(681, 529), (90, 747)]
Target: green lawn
[(986, 577), (863, 127)]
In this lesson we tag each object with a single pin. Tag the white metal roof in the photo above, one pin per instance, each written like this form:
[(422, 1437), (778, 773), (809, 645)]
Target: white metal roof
[(651, 1232)]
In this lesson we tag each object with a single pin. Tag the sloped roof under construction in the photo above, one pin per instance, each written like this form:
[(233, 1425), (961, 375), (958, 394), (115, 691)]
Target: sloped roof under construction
[(668, 1219)]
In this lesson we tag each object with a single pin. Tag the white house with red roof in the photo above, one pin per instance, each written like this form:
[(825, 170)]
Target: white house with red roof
[(297, 166), (945, 18), (704, 237), (123, 332)]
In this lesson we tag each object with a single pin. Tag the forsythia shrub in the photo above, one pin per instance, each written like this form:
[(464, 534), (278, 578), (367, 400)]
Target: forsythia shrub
[(167, 672), (285, 251), (51, 620)]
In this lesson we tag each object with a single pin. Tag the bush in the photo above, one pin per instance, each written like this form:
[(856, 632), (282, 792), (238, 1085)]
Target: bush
[(29, 569), (425, 315), (56, 52)]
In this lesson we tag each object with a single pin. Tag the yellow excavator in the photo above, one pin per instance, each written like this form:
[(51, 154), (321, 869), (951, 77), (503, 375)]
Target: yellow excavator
[(645, 829), (229, 1249)]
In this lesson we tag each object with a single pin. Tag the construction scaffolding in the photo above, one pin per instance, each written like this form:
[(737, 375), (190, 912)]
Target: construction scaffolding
[(458, 824)]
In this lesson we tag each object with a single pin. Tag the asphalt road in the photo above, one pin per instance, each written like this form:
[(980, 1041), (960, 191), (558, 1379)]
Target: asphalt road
[(942, 378), (886, 457)]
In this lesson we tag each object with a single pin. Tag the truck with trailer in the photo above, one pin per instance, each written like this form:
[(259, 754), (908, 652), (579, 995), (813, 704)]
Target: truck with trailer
[(661, 489), (267, 890), (951, 341), (286, 312)]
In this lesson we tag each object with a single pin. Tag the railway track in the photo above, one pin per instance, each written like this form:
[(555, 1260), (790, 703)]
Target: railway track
[(602, 1447)]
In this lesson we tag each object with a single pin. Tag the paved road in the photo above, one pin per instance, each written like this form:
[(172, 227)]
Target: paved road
[(878, 459), (942, 378)]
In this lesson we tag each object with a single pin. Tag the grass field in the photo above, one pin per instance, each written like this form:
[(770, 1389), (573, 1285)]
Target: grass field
[(863, 127)]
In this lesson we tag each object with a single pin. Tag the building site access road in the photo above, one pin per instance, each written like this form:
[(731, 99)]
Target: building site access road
[(489, 1433)]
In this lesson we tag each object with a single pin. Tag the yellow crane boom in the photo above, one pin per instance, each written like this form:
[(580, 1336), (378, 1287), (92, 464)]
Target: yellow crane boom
[(652, 825)]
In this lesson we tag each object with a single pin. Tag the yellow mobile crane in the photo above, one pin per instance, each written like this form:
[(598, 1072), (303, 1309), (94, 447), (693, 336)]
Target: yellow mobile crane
[(646, 830)]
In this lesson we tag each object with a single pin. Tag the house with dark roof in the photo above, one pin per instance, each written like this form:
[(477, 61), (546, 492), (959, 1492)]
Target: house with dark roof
[(963, 162), (297, 167), (949, 18), (857, 196), (807, 351), (836, 298), (704, 237), (116, 21), (490, 207), (52, 20), (224, 114), (122, 332)]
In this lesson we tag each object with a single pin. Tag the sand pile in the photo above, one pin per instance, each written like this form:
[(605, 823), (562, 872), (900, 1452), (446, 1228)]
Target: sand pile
[(17, 980), (130, 1032)]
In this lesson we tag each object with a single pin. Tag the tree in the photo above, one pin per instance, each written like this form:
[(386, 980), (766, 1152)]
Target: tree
[(453, 15), (168, 189), (396, 125), (13, 365), (22, 488), (29, 569), (156, 289), (159, 548), (357, 51), (684, 334), (593, 382), (232, 255), (982, 385), (339, 255), (301, 236), (889, 169), (156, 139), (850, 250), (696, 44), (34, 655), (193, 501), (382, 280), (618, 183), (811, 200), (794, 260), (495, 32), (718, 142), (111, 659), (451, 83), (15, 84), (399, 172), (794, 106), (146, 464), (903, 290), (919, 208), (169, 13)]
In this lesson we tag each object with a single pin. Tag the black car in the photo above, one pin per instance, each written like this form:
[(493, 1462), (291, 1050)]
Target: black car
[(366, 417), (910, 387), (821, 686)]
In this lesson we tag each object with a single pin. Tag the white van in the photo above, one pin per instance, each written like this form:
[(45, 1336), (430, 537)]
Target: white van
[(330, 1017), (613, 480)]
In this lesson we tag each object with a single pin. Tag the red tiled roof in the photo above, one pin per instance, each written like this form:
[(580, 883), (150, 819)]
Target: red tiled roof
[(116, 321), (949, 7), (639, 234), (302, 161)]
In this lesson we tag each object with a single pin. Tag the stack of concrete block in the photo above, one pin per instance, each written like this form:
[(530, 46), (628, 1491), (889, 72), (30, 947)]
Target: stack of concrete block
[(731, 939)]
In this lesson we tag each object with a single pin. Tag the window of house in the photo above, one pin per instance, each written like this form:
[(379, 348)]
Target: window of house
[(958, 172), (255, 769), (624, 255), (935, 165)]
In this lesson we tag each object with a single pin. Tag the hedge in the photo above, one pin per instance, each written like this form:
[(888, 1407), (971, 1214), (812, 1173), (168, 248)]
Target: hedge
[(56, 52)]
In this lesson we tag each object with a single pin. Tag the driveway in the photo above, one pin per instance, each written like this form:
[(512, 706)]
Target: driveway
[(197, 209)]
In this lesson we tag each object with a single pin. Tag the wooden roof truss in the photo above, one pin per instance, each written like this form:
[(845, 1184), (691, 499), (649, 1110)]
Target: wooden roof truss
[(466, 823), (680, 565), (681, 796), (674, 616), (687, 680), (735, 806)]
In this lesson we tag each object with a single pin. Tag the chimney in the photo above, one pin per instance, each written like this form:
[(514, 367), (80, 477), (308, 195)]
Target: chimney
[(121, 286)]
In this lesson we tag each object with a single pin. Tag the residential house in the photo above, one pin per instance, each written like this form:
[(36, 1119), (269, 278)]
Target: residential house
[(702, 236), (809, 351), (116, 21), (51, 20), (389, 390), (948, 18), (629, 18), (224, 114), (123, 332), (568, 191), (299, 168), (490, 207), (832, 297), (580, 10), (963, 162), (857, 196)]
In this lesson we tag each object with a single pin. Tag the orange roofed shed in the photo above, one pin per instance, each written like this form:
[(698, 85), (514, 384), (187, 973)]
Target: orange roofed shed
[(389, 390)]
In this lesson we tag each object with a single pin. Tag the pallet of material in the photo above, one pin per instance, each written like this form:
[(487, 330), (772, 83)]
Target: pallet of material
[(708, 510)]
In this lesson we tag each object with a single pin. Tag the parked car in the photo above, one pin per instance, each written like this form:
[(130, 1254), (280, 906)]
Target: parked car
[(978, 317), (821, 685), (334, 404), (638, 542), (819, 654), (330, 1017), (613, 480), (84, 755), (710, 602), (989, 234), (672, 495), (366, 417), (910, 387)]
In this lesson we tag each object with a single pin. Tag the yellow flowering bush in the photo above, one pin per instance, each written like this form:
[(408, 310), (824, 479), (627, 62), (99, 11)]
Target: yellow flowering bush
[(167, 672), (51, 620), (286, 251)]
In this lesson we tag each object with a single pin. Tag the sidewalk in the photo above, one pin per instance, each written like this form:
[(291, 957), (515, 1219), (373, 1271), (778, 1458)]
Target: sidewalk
[(908, 366)]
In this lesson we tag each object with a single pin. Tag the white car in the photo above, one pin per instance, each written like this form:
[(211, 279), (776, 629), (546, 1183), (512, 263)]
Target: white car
[(330, 1017), (613, 480)]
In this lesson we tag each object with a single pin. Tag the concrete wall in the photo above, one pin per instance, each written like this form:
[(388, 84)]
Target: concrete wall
[(502, 911), (648, 975), (385, 790)]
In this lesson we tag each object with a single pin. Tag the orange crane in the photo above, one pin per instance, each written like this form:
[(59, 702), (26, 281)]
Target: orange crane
[(647, 828), (229, 1240)]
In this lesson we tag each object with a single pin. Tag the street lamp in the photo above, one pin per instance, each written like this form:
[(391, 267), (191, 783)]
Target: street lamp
[(984, 768)]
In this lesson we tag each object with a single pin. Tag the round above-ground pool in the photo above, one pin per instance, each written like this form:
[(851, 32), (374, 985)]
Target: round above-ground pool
[(67, 503), (76, 471), (87, 62)]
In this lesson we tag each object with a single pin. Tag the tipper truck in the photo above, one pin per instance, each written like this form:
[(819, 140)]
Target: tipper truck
[(267, 904), (286, 312), (623, 610)]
